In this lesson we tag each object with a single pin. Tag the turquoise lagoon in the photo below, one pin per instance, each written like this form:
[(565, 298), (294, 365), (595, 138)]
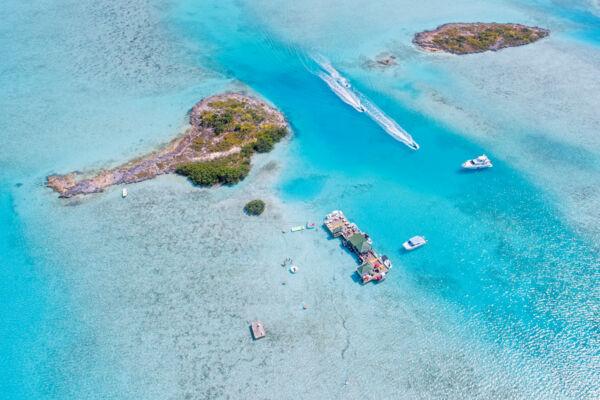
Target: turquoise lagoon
[(151, 297)]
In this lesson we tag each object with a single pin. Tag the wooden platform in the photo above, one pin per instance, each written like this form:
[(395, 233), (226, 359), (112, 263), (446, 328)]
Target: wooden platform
[(258, 330), (372, 267)]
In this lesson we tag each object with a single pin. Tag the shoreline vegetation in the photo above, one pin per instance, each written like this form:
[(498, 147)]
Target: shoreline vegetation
[(226, 130), (469, 38)]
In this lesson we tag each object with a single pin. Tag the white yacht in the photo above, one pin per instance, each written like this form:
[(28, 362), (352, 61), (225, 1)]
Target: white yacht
[(414, 242), (124, 192), (478, 163)]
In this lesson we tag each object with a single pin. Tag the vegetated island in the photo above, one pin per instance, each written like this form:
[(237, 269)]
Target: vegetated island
[(225, 131), (467, 38)]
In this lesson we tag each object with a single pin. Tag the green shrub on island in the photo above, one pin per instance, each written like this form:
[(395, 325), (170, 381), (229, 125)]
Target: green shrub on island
[(229, 114), (479, 37), (219, 122), (225, 171), (455, 40), (234, 124), (233, 168), (254, 207), (265, 140)]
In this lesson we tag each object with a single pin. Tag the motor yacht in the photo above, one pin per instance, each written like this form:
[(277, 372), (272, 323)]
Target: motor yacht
[(478, 163)]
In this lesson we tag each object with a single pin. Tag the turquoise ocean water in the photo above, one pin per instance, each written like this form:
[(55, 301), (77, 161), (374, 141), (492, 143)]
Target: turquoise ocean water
[(151, 297)]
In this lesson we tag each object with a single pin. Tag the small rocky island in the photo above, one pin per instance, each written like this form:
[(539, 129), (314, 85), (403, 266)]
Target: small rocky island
[(468, 38), (225, 131)]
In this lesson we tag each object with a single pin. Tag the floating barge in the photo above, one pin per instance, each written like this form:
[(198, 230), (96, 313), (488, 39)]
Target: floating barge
[(372, 267), (258, 330)]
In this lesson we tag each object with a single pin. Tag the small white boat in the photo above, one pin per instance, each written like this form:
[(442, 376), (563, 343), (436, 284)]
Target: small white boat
[(478, 163), (386, 262), (293, 269), (414, 242), (124, 192)]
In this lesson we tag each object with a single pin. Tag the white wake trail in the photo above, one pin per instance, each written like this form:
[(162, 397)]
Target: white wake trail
[(326, 65), (389, 125), (341, 87), (345, 94)]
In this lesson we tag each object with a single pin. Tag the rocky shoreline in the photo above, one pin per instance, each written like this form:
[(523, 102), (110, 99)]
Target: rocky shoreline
[(469, 38), (198, 144)]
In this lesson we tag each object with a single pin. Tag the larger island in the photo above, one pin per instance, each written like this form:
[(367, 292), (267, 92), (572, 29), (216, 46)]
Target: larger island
[(467, 38), (225, 130)]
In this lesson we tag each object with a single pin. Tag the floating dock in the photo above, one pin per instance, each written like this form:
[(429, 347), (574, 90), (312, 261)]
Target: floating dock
[(309, 225), (258, 330), (372, 267)]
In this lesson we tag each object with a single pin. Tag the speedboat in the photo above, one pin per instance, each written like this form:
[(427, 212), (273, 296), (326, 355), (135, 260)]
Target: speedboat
[(414, 242), (344, 82), (413, 145), (478, 163), (386, 262), (124, 194)]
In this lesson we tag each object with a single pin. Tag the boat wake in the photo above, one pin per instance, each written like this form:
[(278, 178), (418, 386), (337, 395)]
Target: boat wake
[(389, 125), (332, 72), (349, 95), (343, 92)]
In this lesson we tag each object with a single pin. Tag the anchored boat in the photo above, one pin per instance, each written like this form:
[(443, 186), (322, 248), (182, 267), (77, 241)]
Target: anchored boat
[(414, 242), (124, 192), (386, 261), (478, 163)]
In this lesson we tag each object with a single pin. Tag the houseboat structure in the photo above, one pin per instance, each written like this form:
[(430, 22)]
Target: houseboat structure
[(372, 267)]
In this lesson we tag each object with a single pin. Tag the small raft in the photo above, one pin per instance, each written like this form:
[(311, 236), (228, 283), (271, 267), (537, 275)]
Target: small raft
[(309, 225), (258, 330)]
